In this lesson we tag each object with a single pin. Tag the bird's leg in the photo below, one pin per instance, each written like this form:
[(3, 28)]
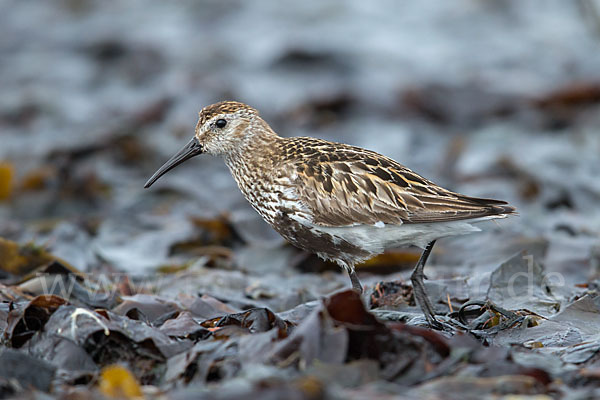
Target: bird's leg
[(354, 279), (419, 287)]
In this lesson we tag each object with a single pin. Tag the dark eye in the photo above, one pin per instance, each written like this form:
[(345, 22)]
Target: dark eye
[(221, 123)]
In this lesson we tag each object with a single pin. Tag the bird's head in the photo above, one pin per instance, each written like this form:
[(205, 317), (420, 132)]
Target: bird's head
[(222, 129)]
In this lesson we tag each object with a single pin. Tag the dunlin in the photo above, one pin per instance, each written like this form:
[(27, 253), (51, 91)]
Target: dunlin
[(343, 203)]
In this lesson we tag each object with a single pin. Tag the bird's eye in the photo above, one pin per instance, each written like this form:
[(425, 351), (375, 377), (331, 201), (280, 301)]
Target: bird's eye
[(221, 123)]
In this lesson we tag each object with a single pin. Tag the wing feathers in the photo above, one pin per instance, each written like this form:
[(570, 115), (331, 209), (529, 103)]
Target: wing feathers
[(344, 185)]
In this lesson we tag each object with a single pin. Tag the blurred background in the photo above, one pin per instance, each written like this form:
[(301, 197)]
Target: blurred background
[(490, 98)]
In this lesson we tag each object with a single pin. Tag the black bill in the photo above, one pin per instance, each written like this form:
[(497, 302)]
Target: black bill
[(192, 149)]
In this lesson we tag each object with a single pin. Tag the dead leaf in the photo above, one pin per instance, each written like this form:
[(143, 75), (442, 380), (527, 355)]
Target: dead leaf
[(37, 179), (26, 370), (118, 382), (20, 260), (6, 180), (24, 322), (390, 262)]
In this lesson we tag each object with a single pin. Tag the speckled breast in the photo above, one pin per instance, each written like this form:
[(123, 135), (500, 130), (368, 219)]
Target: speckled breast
[(315, 241)]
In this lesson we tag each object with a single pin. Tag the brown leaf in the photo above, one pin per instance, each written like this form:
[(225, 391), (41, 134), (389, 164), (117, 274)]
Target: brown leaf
[(251, 321), (25, 322), (6, 180), (390, 262), (20, 260), (573, 95)]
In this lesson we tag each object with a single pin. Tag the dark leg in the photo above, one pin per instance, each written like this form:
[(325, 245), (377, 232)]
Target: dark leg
[(355, 281), (419, 287)]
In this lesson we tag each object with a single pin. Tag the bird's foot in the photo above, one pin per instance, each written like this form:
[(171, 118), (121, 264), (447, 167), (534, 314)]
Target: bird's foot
[(424, 303), (439, 325)]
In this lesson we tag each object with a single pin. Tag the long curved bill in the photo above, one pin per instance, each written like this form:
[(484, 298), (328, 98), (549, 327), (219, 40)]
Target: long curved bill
[(192, 149)]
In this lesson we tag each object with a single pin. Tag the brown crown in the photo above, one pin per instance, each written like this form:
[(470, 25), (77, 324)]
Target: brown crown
[(223, 107)]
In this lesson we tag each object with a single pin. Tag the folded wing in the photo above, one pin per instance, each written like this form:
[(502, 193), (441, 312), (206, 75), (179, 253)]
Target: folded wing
[(346, 185)]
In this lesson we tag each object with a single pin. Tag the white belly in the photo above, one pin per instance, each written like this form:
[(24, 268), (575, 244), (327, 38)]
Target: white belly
[(376, 238)]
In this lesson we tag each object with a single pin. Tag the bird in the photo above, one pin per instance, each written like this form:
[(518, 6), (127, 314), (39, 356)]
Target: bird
[(344, 203)]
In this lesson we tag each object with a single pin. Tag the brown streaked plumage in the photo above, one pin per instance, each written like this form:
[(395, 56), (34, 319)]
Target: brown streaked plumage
[(343, 203), (344, 185)]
